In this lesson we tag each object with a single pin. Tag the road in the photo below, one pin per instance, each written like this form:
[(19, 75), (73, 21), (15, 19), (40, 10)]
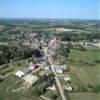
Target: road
[(57, 80), (56, 76)]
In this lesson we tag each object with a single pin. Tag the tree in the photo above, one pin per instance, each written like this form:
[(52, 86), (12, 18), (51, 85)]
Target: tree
[(63, 52)]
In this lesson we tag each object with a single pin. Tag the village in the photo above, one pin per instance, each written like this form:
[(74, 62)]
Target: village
[(47, 73), (47, 67), (49, 61)]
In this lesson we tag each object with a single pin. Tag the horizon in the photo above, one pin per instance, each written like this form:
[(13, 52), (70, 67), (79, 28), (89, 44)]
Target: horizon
[(50, 9), (45, 19)]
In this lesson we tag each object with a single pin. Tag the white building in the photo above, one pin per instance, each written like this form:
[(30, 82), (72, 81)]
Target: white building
[(47, 68), (59, 69), (19, 74), (68, 88), (67, 78), (53, 88)]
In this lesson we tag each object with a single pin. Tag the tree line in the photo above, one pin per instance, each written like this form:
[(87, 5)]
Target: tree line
[(13, 53)]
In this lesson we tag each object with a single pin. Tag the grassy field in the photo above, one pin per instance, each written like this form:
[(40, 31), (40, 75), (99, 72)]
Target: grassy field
[(87, 74), (84, 96), (89, 55), (94, 73), (84, 74), (7, 94)]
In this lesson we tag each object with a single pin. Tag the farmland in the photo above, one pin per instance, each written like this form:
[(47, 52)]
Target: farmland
[(25, 41), (84, 74)]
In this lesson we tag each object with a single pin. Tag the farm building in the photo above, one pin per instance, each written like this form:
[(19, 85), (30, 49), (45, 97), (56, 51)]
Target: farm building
[(19, 74)]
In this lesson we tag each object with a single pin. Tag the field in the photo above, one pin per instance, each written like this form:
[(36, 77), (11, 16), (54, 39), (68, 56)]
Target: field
[(84, 74), (84, 96), (6, 94), (90, 55)]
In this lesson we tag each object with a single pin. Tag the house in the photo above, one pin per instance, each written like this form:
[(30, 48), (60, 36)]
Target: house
[(68, 88), (28, 70), (67, 78), (59, 69), (64, 66), (19, 74), (44, 58), (25, 70), (33, 65), (47, 68), (53, 88)]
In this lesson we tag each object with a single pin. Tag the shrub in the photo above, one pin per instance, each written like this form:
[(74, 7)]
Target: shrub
[(97, 61)]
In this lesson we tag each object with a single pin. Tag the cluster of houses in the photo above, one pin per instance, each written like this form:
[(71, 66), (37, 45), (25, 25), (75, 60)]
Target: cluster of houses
[(94, 43), (54, 45), (59, 68), (26, 70)]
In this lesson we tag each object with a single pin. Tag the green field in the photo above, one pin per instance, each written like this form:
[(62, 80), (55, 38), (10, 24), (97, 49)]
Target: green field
[(83, 74), (7, 94), (89, 55), (84, 96)]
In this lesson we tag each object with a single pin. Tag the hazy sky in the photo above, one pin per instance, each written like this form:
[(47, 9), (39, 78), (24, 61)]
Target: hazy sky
[(82, 9)]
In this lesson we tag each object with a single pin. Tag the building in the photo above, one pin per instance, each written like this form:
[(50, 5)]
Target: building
[(64, 66), (67, 78), (33, 65), (68, 87), (19, 74), (53, 88), (26, 70), (47, 68), (59, 69)]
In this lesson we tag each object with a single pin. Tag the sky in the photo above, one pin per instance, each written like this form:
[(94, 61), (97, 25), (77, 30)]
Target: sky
[(73, 9)]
